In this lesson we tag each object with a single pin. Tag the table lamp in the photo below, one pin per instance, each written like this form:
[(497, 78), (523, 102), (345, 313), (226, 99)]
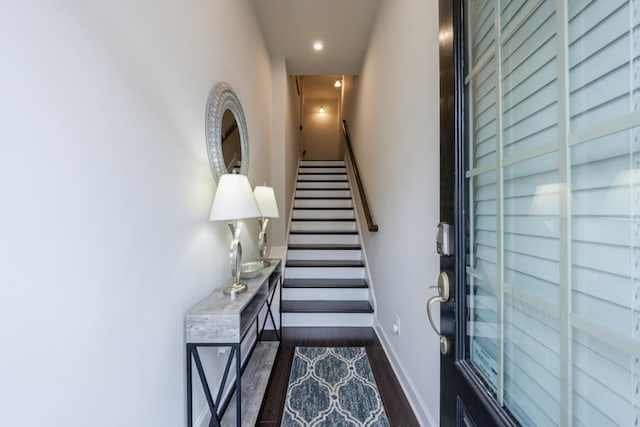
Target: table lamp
[(266, 199), (233, 201)]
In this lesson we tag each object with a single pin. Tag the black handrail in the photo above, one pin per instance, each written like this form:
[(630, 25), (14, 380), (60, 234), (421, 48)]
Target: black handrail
[(363, 197)]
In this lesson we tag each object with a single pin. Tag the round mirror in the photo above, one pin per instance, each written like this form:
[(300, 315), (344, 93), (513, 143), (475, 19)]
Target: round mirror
[(226, 132)]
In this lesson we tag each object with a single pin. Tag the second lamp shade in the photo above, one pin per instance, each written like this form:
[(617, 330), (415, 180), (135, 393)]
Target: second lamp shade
[(266, 199)]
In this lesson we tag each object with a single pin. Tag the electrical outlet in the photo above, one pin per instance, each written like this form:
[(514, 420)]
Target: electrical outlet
[(396, 325)]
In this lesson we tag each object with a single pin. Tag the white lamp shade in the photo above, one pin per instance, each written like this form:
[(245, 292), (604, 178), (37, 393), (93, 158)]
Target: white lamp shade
[(266, 199), (234, 199)]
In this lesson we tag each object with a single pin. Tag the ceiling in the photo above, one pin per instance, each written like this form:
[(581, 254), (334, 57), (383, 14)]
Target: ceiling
[(290, 28)]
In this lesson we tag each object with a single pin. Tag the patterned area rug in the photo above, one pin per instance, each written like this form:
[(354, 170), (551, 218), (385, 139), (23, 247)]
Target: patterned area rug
[(332, 386)]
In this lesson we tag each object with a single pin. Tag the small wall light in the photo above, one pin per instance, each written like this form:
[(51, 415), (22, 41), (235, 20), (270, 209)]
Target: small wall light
[(317, 45), (338, 83), (321, 109)]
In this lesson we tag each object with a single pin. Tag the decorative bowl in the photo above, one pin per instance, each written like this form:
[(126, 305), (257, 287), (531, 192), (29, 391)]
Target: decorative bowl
[(249, 270)]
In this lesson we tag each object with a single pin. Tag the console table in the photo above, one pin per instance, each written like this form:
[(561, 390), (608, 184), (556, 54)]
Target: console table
[(221, 321)]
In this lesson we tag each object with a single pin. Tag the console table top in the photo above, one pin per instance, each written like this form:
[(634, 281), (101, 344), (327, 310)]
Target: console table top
[(216, 301), (217, 317)]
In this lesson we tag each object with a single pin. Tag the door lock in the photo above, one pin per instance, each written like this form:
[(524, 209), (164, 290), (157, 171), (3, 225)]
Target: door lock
[(444, 239), (444, 288)]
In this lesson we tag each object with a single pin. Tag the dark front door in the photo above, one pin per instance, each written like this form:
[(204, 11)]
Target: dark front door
[(540, 181), (465, 398)]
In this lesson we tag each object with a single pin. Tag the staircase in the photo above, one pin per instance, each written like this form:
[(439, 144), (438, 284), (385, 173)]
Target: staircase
[(325, 280)]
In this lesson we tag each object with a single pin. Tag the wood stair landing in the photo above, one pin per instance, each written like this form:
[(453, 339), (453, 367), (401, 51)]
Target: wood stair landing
[(325, 279)]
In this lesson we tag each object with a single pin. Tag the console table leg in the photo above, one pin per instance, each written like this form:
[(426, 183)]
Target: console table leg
[(238, 387), (215, 421), (189, 388)]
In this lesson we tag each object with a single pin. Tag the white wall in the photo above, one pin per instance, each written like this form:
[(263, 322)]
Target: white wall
[(349, 84), (395, 132), (106, 191), (284, 155), (292, 139), (276, 234)]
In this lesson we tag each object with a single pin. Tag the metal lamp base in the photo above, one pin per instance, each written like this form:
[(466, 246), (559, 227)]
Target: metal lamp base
[(262, 242), (235, 256), (235, 289)]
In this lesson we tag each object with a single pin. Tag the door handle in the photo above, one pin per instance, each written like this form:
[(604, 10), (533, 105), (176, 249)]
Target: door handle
[(443, 296)]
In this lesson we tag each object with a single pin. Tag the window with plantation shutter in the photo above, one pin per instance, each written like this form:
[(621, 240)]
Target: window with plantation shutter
[(553, 269)]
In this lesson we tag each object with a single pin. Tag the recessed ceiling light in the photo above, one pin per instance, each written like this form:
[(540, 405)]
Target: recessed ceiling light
[(321, 109), (338, 83), (318, 45)]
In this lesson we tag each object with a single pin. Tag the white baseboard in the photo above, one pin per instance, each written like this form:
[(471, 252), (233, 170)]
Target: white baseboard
[(422, 413)]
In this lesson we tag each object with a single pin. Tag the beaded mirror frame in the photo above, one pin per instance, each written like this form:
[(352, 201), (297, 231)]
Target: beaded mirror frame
[(223, 98)]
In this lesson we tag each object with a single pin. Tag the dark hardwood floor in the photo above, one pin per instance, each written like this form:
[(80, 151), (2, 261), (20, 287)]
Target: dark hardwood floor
[(395, 403)]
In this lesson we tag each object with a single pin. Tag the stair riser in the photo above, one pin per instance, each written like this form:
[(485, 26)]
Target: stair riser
[(306, 170), (324, 272), (327, 319), (323, 203), (337, 163), (324, 238), (323, 214), (312, 177), (320, 184), (323, 226), (321, 254), (327, 294), (323, 193)]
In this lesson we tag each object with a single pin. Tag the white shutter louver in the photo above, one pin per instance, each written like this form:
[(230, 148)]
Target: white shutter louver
[(554, 193)]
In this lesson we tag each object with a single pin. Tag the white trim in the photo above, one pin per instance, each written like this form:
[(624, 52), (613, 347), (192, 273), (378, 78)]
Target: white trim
[(609, 336), (499, 207), (616, 125), (635, 398), (552, 310), (565, 238), (480, 170), (420, 409), (471, 162), (530, 154)]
